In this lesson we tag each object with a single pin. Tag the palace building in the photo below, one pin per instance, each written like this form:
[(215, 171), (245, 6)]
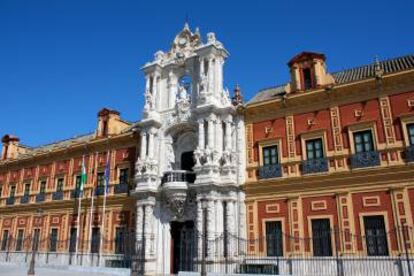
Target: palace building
[(309, 177), (40, 190), (190, 171), (330, 161)]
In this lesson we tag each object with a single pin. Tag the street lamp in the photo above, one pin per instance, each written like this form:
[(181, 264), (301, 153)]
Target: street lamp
[(31, 270)]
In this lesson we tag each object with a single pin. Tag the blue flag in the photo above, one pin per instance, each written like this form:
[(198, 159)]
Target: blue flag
[(107, 176)]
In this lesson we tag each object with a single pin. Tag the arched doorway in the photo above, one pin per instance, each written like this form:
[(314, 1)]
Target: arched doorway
[(187, 161)]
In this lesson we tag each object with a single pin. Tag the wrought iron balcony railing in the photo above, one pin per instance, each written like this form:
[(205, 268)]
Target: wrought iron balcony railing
[(315, 165), (409, 154), (270, 171), (100, 190), (40, 197), (10, 201), (24, 199), (121, 188), (365, 159), (75, 194), (178, 176), (57, 195)]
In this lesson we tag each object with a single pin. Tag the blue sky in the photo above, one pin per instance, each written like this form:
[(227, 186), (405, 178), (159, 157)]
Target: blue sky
[(61, 61)]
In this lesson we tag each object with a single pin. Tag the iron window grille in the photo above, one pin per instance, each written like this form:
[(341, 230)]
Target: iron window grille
[(321, 237), (274, 239)]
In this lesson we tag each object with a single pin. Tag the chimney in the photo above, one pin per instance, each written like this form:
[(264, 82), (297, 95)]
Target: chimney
[(10, 148)]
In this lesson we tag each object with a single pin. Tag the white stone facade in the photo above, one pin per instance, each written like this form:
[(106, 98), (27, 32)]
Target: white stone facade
[(190, 129)]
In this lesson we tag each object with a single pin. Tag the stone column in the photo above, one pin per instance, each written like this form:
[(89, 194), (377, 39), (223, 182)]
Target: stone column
[(211, 241), (210, 75), (210, 131), (219, 136), (230, 227), (199, 229), (147, 83), (219, 75), (143, 151), (228, 134), (148, 230), (172, 89), (150, 144), (219, 227), (139, 228), (155, 90), (201, 142)]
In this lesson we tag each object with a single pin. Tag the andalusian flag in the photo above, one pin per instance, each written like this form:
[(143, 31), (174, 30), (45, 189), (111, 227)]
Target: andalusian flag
[(83, 175)]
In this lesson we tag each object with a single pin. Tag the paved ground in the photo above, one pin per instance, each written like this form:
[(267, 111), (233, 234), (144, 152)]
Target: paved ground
[(13, 270)]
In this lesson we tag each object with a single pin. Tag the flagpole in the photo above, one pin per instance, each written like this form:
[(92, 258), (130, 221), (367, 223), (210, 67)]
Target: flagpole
[(93, 196), (104, 207), (79, 212)]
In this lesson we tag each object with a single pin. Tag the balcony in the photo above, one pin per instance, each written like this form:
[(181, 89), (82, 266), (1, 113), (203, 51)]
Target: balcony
[(365, 159), (24, 199), (178, 176), (10, 201), (270, 171), (100, 190), (75, 194), (57, 195), (409, 154), (315, 166), (40, 197), (121, 188), (175, 186)]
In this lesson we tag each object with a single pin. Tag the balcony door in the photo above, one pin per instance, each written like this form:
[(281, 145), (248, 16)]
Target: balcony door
[(187, 161)]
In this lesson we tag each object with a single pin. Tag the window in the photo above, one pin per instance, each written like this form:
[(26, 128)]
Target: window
[(59, 184), (104, 128), (101, 179), (72, 239), (78, 182), (26, 189), (123, 176), (95, 241), (119, 240), (321, 237), (4, 240), (376, 237), (274, 240), (12, 191), (36, 236), (410, 132), (363, 141), (270, 155), (42, 186), (314, 149), (19, 242), (307, 78), (53, 240)]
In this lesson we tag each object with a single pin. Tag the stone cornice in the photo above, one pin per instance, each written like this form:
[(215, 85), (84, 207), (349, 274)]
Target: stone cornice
[(122, 140), (323, 99)]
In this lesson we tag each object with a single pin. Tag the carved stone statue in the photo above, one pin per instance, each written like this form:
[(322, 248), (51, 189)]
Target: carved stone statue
[(182, 93), (149, 101), (203, 83)]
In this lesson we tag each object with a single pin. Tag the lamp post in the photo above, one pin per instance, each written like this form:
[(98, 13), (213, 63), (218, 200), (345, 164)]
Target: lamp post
[(35, 244)]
